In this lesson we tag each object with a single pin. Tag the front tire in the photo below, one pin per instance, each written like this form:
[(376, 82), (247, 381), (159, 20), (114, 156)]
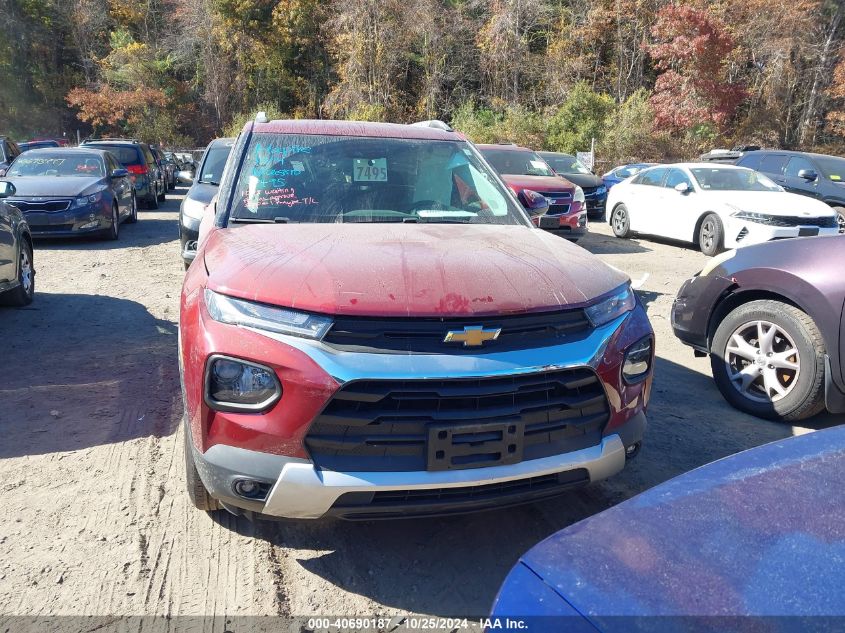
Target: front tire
[(620, 221), (197, 492), (23, 294), (113, 233), (711, 235), (767, 359), (163, 195), (133, 214)]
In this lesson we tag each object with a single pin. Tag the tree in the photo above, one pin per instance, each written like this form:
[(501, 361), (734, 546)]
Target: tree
[(581, 118)]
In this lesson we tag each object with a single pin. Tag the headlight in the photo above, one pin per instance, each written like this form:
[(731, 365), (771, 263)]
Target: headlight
[(193, 208), (715, 262), (637, 360), (238, 385), (84, 201), (579, 195), (265, 317), (751, 216), (612, 307)]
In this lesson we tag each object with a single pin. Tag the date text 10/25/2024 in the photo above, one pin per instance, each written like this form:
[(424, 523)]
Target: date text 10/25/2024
[(414, 623)]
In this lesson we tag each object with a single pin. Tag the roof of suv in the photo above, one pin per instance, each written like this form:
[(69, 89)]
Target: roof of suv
[(504, 146), (353, 128), (787, 152)]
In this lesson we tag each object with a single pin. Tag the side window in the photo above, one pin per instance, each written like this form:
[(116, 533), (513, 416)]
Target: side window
[(148, 156), (675, 178), (14, 150), (773, 164), (652, 177), (752, 160), (796, 164)]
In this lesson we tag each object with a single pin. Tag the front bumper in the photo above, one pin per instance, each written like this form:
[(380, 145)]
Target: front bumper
[(189, 230), (84, 221), (743, 233), (300, 490), (693, 307)]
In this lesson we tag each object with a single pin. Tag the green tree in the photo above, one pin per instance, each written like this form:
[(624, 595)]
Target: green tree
[(581, 118)]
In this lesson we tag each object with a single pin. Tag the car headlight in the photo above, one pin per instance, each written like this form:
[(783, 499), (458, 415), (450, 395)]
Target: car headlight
[(232, 384), (637, 360), (613, 307), (84, 201), (751, 216), (578, 196), (193, 208), (715, 262), (265, 317)]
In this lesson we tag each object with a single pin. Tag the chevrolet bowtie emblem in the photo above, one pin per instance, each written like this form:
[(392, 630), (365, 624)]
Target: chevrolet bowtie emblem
[(472, 336)]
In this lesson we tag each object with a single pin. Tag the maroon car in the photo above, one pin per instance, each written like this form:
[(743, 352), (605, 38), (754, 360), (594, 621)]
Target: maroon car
[(522, 169), (771, 318)]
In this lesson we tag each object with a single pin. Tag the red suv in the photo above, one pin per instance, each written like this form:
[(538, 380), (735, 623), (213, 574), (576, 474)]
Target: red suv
[(376, 329), (523, 169)]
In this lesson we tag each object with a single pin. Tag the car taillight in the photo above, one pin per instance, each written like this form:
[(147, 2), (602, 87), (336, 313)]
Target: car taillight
[(140, 170)]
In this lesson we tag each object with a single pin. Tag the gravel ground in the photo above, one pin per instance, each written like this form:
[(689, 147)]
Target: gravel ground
[(91, 473)]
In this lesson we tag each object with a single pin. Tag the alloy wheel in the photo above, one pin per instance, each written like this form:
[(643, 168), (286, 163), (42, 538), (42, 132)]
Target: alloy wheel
[(620, 220), (26, 271), (708, 234), (762, 361)]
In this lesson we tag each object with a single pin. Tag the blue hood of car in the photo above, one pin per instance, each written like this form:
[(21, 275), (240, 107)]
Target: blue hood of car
[(758, 533), (55, 186)]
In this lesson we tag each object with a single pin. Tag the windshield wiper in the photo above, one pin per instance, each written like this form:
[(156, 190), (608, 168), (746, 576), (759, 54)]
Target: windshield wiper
[(278, 220), (209, 182)]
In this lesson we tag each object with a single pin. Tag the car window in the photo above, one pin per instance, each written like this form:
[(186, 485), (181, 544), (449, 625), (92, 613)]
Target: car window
[(832, 168), (796, 164), (148, 155), (322, 178), (213, 163), (14, 150), (126, 154), (675, 178), (651, 177), (59, 164), (732, 179), (624, 172), (565, 164), (773, 163), (752, 160), (517, 162)]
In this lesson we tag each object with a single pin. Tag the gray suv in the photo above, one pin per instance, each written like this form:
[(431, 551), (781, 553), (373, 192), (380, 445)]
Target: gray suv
[(8, 152), (817, 175)]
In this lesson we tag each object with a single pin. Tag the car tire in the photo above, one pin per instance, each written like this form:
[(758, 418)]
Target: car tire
[(197, 492), (840, 218), (711, 235), (113, 232), (735, 355), (163, 195), (620, 221), (152, 202), (133, 214), (23, 294)]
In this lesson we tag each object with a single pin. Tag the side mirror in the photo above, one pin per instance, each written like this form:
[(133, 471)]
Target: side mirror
[(120, 173), (534, 203), (6, 189), (808, 175), (185, 177), (683, 187)]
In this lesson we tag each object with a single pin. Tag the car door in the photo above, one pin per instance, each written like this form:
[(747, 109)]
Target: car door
[(122, 187), (8, 254), (797, 184), (645, 200), (773, 166), (677, 213)]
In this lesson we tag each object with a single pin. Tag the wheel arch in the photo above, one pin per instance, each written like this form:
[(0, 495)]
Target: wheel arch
[(698, 222)]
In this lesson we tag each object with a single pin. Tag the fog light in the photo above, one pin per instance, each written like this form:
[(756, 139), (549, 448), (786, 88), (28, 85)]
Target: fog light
[(251, 489), (236, 385), (637, 360), (90, 225), (632, 450)]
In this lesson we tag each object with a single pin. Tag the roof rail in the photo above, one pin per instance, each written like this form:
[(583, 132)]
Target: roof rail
[(122, 140), (436, 124)]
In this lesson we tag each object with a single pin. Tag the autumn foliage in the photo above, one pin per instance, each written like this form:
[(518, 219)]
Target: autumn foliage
[(110, 110)]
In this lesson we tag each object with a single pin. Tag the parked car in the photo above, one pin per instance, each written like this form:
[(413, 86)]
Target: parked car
[(66, 192), (138, 159), (818, 176), (17, 270), (24, 147), (202, 190), (751, 542), (167, 167), (770, 316), (377, 329), (623, 172), (8, 152), (595, 191), (522, 169), (727, 156), (714, 206)]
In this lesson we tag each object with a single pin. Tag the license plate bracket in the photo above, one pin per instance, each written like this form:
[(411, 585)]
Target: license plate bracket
[(549, 222), (458, 447), (805, 231)]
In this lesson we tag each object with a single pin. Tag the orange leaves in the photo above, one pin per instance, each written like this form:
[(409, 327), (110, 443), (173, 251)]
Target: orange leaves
[(108, 108)]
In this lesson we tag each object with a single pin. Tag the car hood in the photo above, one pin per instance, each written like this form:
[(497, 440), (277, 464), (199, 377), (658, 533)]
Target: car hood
[(761, 532), (772, 202), (202, 192), (540, 184), (405, 269), (44, 186), (584, 180)]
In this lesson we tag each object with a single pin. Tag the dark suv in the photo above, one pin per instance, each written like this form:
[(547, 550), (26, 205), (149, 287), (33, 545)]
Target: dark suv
[(817, 175), (8, 152), (144, 169)]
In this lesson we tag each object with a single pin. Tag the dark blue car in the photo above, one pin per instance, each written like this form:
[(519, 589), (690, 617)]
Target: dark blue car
[(760, 533), (70, 192), (623, 172)]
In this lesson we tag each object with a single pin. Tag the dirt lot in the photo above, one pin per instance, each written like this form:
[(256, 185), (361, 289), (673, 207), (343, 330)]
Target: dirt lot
[(96, 521)]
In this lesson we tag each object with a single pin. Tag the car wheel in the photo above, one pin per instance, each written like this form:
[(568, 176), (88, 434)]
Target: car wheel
[(24, 292), (133, 212), (113, 232), (152, 202), (163, 195), (620, 221), (197, 492), (840, 218), (768, 360), (711, 235)]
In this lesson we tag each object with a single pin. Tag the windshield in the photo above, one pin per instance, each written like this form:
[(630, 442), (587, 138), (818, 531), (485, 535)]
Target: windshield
[(565, 164), (57, 164), (212, 166), (314, 178), (832, 168), (716, 179), (126, 155), (517, 162)]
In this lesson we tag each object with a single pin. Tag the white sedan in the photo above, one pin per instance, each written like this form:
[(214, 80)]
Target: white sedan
[(714, 206)]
